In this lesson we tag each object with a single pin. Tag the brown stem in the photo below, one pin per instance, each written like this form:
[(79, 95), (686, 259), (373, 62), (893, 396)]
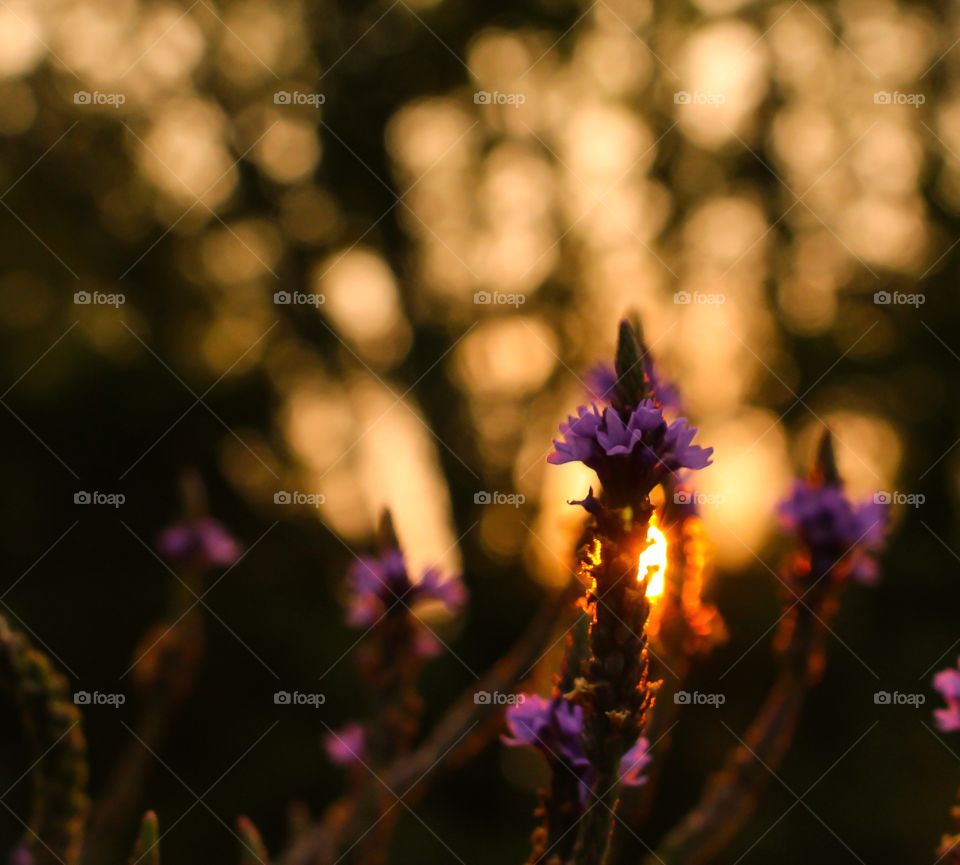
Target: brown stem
[(165, 675), (731, 794), (465, 728)]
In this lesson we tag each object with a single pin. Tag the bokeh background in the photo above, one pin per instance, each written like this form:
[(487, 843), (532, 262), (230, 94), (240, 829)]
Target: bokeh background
[(477, 193)]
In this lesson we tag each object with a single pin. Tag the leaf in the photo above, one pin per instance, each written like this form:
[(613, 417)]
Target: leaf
[(146, 850), (252, 851)]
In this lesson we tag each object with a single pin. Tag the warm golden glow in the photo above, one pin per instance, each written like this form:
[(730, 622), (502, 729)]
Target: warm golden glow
[(653, 560)]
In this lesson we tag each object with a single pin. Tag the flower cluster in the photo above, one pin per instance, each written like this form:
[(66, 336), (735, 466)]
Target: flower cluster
[(379, 584), (826, 521), (382, 598), (555, 728), (202, 543), (631, 454)]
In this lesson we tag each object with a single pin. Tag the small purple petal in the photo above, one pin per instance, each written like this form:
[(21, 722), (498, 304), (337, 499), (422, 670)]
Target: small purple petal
[(947, 720), (633, 762), (205, 543), (346, 746), (947, 683)]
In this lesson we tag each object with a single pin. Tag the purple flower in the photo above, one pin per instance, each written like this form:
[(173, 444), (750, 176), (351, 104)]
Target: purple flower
[(346, 745), (634, 761), (630, 456), (379, 583), (20, 855), (203, 543), (947, 682), (601, 381), (555, 728), (827, 521)]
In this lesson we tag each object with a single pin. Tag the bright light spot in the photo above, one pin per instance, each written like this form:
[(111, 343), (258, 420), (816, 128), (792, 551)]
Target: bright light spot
[(653, 560)]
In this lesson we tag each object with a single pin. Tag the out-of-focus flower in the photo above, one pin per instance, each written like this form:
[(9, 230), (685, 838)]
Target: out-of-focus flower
[(947, 683), (20, 855), (555, 728), (379, 583), (202, 543), (630, 454), (347, 745), (826, 520)]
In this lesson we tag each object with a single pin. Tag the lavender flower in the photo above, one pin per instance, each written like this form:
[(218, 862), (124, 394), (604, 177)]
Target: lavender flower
[(347, 745), (631, 454), (379, 583), (947, 682), (827, 521), (203, 543), (555, 728)]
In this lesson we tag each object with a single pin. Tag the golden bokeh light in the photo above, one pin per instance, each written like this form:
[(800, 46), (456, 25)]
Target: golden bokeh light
[(653, 562)]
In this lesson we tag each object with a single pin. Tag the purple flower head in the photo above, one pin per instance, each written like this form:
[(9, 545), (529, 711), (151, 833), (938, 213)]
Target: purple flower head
[(947, 683), (631, 454), (347, 745), (20, 855), (203, 543), (829, 523), (555, 728), (601, 381), (377, 584)]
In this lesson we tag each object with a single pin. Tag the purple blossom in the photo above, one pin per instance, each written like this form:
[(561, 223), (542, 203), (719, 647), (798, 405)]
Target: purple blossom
[(601, 381), (203, 543), (947, 682), (347, 745), (630, 456), (555, 728), (827, 521), (379, 583), (20, 855)]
